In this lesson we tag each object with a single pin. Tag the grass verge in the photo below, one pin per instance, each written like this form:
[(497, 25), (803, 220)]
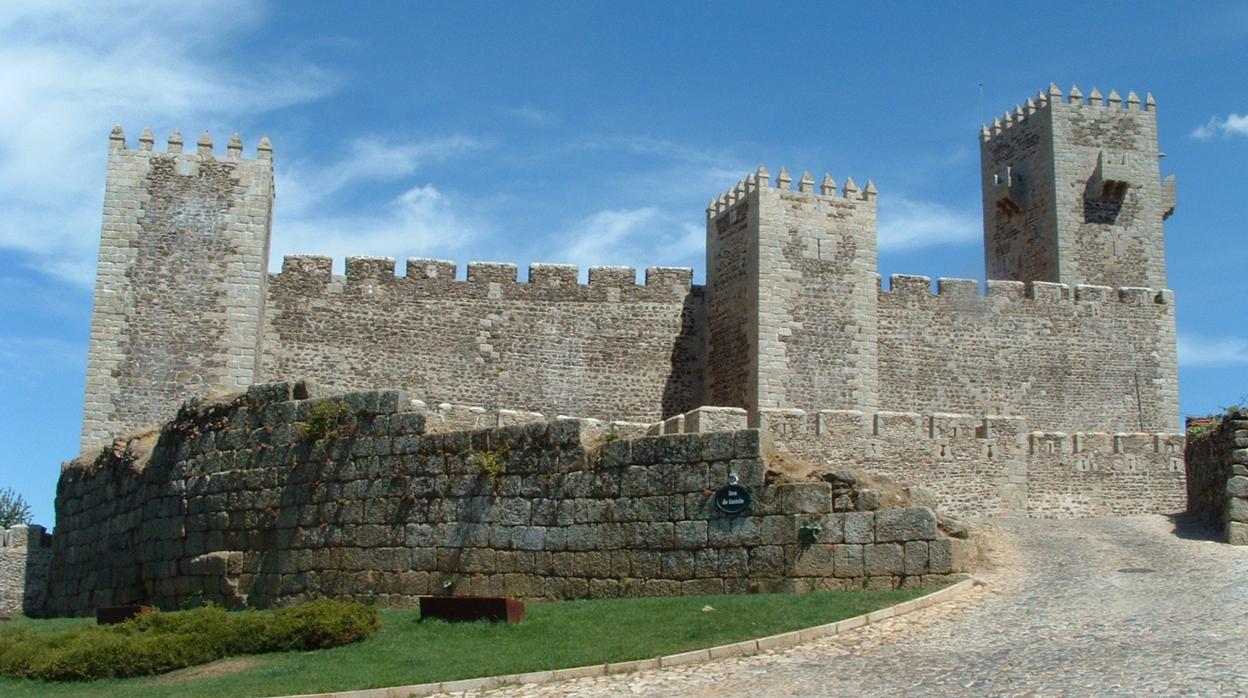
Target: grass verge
[(552, 635)]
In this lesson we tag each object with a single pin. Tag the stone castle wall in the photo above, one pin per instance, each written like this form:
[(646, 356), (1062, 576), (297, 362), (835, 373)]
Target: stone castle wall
[(1217, 478), (236, 503), (609, 349), (25, 557), (988, 466), (1089, 358)]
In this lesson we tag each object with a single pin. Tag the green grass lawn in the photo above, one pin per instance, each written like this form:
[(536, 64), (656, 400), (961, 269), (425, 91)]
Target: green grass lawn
[(552, 635)]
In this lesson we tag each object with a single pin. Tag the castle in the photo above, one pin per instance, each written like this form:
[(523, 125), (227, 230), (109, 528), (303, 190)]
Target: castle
[(1051, 394), (1074, 330)]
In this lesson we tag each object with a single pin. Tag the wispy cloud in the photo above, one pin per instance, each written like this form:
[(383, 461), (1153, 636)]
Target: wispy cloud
[(1203, 351), (1233, 125), (907, 224), (535, 116), (639, 237), (420, 222), (69, 71)]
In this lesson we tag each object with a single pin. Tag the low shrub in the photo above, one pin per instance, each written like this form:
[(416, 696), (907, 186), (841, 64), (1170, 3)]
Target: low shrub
[(158, 642)]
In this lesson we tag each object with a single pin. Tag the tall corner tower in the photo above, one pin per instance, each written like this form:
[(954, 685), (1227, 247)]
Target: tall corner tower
[(792, 295), (180, 286), (1073, 191)]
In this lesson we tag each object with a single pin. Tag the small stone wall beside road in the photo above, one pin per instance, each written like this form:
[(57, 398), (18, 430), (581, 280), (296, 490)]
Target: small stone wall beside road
[(1217, 477)]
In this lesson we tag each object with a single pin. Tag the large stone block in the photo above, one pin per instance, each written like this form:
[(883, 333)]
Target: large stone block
[(814, 560), (1237, 533), (916, 558), (899, 525), (859, 527), (883, 559), (848, 560), (1237, 486)]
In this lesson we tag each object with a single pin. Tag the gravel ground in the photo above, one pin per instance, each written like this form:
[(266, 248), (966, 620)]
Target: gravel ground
[(1104, 607)]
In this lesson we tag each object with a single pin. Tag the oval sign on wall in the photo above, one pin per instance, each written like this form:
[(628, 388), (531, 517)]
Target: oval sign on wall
[(734, 499)]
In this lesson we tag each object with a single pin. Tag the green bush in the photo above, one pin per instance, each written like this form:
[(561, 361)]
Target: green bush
[(158, 642), (328, 420)]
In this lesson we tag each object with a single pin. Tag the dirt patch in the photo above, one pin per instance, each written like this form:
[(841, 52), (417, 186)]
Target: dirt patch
[(221, 667)]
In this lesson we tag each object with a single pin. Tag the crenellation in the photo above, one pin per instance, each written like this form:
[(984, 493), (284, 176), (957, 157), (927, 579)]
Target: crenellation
[(491, 272), (554, 275)]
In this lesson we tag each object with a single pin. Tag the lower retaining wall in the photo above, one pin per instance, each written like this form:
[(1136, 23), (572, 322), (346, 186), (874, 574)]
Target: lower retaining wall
[(269, 500), (1217, 478), (25, 554)]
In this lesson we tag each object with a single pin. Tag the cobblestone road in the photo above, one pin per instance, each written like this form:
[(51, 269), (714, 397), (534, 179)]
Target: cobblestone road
[(1102, 607)]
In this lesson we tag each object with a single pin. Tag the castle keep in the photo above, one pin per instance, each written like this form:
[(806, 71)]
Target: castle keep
[(1069, 348)]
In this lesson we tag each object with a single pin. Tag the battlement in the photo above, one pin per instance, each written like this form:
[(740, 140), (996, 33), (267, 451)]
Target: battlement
[(906, 286), (1135, 443), (25, 536), (1075, 98), (174, 144), (761, 179), (438, 278)]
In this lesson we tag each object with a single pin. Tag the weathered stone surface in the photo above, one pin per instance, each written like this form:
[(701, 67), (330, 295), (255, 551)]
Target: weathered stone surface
[(859, 527), (883, 559), (237, 506), (895, 525), (1237, 533)]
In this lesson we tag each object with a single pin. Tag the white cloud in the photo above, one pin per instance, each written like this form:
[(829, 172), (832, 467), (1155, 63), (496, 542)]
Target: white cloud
[(69, 71), (905, 224), (1196, 350), (420, 222), (639, 237), (1233, 125)]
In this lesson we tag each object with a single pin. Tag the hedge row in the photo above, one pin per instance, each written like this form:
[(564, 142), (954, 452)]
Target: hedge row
[(158, 642)]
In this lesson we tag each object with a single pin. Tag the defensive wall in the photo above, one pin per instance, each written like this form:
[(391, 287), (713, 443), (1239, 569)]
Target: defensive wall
[(286, 493), (975, 465), (610, 348), (25, 557), (1217, 477), (1074, 330)]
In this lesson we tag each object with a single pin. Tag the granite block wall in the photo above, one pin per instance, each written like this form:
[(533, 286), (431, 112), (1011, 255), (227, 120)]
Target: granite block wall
[(609, 349), (25, 557), (239, 504), (990, 466), (1089, 358), (1217, 478)]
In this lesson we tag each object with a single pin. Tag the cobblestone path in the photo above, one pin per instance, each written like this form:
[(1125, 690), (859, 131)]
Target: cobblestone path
[(1090, 607)]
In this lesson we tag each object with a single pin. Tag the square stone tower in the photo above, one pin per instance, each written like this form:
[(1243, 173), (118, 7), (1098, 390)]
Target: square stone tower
[(180, 287), (1073, 192), (792, 293)]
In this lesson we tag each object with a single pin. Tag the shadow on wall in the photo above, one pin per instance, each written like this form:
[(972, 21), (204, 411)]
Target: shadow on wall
[(25, 556), (684, 389)]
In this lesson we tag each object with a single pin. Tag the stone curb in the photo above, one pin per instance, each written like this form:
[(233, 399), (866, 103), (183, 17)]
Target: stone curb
[(735, 649)]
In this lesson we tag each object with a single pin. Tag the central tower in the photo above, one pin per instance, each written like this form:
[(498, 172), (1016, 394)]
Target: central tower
[(792, 293)]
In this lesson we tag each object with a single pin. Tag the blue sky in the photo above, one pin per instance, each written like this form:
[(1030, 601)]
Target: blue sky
[(591, 133)]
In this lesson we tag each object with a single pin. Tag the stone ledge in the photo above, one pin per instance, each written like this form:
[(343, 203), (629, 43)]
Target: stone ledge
[(736, 649)]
